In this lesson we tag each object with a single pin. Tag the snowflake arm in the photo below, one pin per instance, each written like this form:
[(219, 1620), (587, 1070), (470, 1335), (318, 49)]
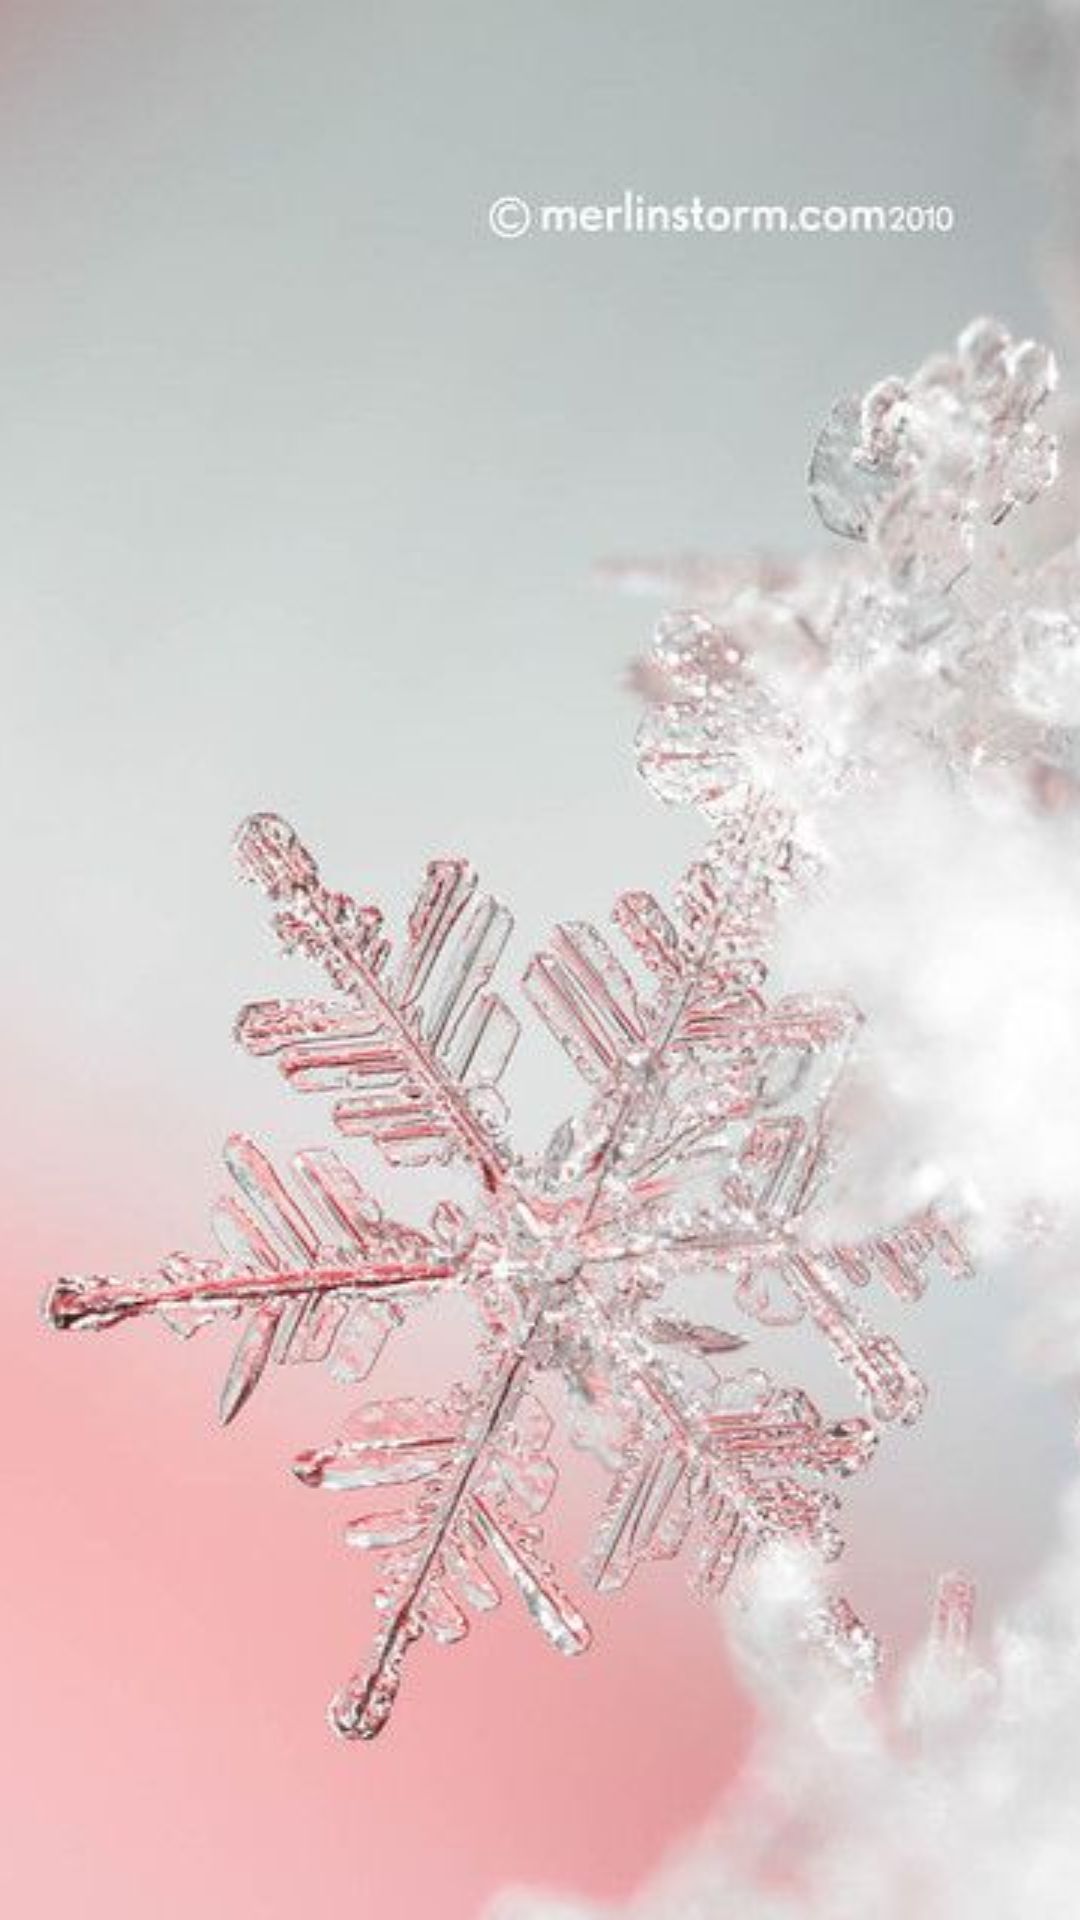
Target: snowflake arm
[(316, 1275), (482, 1458), (418, 1054)]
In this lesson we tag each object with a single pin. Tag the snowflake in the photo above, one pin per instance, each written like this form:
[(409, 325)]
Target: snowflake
[(698, 1153)]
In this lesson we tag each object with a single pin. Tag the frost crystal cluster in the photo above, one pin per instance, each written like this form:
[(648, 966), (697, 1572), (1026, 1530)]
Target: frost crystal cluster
[(957, 1801), (931, 636), (911, 692)]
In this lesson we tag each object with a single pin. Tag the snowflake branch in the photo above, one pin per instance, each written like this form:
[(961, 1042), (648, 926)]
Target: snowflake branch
[(99, 1302), (343, 938)]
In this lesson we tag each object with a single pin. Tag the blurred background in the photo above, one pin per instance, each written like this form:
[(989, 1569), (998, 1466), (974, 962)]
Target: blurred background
[(303, 475)]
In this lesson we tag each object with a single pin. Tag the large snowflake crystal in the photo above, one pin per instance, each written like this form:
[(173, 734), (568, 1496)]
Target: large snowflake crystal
[(696, 1159)]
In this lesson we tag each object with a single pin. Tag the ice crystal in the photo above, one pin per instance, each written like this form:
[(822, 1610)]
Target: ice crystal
[(932, 634), (699, 1152), (912, 692)]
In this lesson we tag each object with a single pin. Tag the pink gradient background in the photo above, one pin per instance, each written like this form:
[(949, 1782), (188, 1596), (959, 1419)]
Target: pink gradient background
[(301, 478)]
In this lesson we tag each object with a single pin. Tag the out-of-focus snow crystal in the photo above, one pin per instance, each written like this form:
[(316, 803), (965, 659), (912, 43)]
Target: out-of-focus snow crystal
[(951, 1796), (699, 1154), (930, 633), (911, 692)]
